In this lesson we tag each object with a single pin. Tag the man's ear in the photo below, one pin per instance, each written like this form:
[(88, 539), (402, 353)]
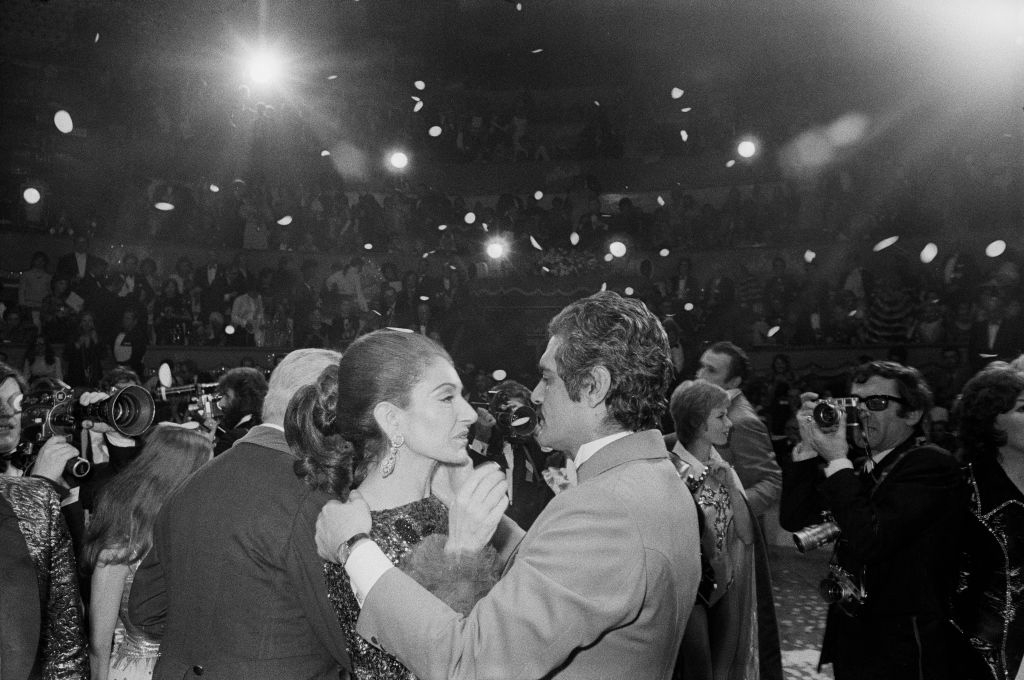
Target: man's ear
[(733, 383), (597, 387), (912, 418)]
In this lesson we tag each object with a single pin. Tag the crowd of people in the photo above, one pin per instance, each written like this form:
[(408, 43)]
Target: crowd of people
[(611, 517)]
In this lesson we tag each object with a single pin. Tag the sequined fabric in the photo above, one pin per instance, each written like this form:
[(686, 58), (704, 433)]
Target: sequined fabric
[(134, 655), (62, 646), (396, 531)]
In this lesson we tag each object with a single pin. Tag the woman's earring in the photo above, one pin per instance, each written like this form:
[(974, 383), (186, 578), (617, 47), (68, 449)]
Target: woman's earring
[(387, 466)]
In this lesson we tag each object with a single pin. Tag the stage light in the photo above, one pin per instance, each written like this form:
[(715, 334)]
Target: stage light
[(399, 160), (809, 256), (574, 238), (617, 249), (499, 375), (629, 290), (31, 195), (496, 249), (929, 252), (996, 248), (214, 188), (885, 243), (285, 221), (265, 67), (62, 119), (747, 148), (435, 131), (163, 206), (470, 218), (663, 252)]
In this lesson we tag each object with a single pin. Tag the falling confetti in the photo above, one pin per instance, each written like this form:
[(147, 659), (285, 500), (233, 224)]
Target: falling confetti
[(597, 103), (629, 290), (163, 206), (325, 153), (434, 131), (684, 134), (677, 93), (484, 225), (415, 98), (929, 252), (470, 218), (62, 119), (730, 163), (31, 195), (663, 252), (746, 148), (885, 243), (686, 109), (688, 307), (420, 85), (545, 270), (604, 286), (661, 201), (608, 257), (533, 242), (368, 246), (809, 256), (333, 76), (96, 39), (424, 298), (537, 51), (617, 248), (419, 105), (772, 331), (428, 254), (537, 195), (519, 7), (214, 188), (574, 238), (285, 221), (499, 375), (442, 227), (996, 248)]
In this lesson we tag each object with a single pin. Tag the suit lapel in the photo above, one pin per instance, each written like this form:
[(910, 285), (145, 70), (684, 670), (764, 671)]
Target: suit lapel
[(645, 445)]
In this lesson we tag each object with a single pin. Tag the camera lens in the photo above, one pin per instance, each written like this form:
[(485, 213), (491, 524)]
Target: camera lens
[(826, 414), (831, 591)]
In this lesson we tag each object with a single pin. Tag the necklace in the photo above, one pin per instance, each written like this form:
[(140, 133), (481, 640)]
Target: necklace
[(694, 483)]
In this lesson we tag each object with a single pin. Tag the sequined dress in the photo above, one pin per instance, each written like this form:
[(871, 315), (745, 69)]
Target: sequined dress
[(412, 536), (133, 655)]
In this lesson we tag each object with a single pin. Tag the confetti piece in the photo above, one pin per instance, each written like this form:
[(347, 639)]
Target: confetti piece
[(285, 221), (604, 286), (442, 227), (96, 39), (470, 218), (608, 257), (677, 93), (617, 248), (214, 188), (574, 238), (885, 243), (499, 375), (996, 248), (629, 290), (324, 153), (688, 307), (419, 105), (663, 252), (929, 252), (163, 206), (730, 163), (661, 201), (434, 131), (772, 331), (809, 256), (685, 135), (597, 103), (537, 51), (368, 246), (519, 7), (420, 85), (686, 109), (533, 242), (545, 269), (333, 76), (414, 98), (424, 298), (537, 195), (62, 119)]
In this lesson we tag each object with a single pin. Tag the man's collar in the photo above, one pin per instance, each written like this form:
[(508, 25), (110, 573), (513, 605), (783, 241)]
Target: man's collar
[(590, 448)]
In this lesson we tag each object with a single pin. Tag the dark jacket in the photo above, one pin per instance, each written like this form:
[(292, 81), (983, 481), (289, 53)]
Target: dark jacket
[(900, 540), (233, 585), (40, 608)]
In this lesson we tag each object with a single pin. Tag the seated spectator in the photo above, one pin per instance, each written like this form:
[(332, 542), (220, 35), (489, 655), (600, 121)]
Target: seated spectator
[(129, 346), (58, 317), (14, 330), (41, 361), (33, 287), (84, 354), (172, 316)]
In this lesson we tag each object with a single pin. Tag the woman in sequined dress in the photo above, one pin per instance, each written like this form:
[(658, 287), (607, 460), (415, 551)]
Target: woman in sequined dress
[(390, 424), (722, 639), (989, 603), (118, 538)]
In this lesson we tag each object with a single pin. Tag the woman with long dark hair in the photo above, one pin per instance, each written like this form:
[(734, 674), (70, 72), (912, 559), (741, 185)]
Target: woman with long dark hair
[(120, 534), (41, 361), (389, 423), (989, 605)]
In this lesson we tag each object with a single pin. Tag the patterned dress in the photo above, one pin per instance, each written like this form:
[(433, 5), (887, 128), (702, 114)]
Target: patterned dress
[(133, 655), (412, 536)]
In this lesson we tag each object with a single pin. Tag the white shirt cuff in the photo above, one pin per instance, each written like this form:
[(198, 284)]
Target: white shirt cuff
[(365, 565), (835, 466)]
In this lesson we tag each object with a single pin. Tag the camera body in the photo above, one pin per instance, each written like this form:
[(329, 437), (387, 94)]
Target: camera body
[(202, 399), (54, 411), (827, 412), (841, 588), (816, 535), (516, 421)]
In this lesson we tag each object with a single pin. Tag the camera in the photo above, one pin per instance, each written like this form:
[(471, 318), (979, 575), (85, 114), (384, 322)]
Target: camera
[(816, 535), (516, 421), (827, 412), (53, 410), (202, 399), (840, 587)]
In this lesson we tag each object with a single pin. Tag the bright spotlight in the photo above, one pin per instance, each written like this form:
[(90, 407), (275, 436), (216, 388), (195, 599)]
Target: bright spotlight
[(265, 67), (495, 249), (62, 119), (996, 248), (31, 195), (617, 248), (746, 148), (929, 252), (499, 374), (399, 160), (163, 206)]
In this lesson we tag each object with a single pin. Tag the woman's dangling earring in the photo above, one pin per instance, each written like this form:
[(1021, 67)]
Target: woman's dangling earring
[(387, 466)]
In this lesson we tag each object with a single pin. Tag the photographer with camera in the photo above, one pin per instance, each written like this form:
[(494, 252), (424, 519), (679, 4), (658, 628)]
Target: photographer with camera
[(897, 522), (504, 435)]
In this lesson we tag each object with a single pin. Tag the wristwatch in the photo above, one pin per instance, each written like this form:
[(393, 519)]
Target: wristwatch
[(346, 548)]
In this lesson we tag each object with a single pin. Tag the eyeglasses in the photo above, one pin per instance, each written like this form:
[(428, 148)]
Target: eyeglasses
[(879, 402)]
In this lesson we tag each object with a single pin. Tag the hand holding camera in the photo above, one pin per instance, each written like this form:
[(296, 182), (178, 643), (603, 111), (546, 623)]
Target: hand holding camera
[(823, 426), (57, 456)]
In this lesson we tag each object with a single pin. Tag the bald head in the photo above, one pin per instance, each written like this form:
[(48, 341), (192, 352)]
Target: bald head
[(300, 368)]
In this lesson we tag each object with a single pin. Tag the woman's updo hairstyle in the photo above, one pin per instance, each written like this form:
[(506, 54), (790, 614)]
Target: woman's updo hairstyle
[(330, 425)]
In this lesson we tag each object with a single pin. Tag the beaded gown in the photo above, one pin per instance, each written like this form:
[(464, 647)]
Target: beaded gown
[(133, 655), (412, 536)]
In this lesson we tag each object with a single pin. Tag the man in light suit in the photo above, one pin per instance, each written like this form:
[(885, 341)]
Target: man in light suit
[(750, 449), (232, 586), (603, 583)]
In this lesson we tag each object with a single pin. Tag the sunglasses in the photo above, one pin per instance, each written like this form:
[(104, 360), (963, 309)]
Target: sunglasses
[(879, 402)]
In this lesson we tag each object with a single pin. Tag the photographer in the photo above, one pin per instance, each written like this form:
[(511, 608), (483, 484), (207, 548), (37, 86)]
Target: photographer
[(898, 513), (243, 391), (504, 436)]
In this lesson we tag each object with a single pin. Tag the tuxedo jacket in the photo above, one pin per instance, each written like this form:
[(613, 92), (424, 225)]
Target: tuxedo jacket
[(600, 587), (67, 266), (900, 538), (40, 607), (233, 585), (1008, 345), (751, 454)]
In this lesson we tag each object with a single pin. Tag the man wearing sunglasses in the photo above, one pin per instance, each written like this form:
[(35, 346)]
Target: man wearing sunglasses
[(897, 509)]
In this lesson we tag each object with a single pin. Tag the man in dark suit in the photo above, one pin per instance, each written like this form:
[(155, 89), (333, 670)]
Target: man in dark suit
[(233, 585), (1000, 336), (750, 449), (81, 268), (213, 289), (898, 512)]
